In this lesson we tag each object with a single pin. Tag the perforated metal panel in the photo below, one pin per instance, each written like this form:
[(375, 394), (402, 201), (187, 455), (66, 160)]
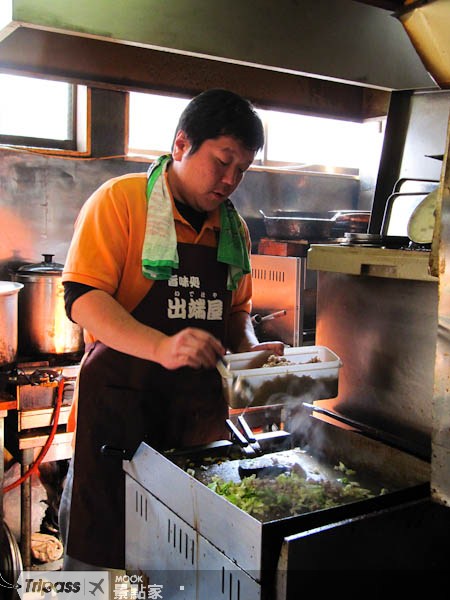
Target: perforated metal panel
[(168, 552), (279, 284)]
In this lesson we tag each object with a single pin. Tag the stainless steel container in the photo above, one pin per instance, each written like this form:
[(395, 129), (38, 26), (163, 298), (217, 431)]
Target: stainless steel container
[(294, 227), (44, 328), (8, 321)]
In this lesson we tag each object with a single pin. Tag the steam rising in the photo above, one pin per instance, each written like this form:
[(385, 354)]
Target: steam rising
[(296, 418)]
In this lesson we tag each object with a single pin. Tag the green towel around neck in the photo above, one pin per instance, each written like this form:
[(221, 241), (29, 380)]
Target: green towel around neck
[(232, 248), (159, 252)]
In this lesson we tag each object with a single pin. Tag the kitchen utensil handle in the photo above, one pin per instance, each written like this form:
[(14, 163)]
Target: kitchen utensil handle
[(382, 436), (240, 439), (333, 415), (254, 444), (111, 451), (402, 180), (275, 315), (246, 429)]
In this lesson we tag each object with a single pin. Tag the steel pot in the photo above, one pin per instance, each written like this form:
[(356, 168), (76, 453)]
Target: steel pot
[(44, 328), (8, 321)]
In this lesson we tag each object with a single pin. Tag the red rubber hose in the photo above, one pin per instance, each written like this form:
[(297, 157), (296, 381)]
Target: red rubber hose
[(35, 466)]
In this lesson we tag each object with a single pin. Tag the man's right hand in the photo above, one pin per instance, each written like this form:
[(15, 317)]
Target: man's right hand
[(191, 347), (109, 322)]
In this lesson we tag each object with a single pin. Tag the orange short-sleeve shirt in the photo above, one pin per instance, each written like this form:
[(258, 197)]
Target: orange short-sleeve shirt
[(106, 247)]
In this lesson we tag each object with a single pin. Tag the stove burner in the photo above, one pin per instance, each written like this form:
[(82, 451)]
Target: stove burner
[(37, 377), (376, 240), (372, 239), (33, 384)]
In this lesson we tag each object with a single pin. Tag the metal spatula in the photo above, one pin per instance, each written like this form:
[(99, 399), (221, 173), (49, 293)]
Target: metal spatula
[(249, 434), (249, 447)]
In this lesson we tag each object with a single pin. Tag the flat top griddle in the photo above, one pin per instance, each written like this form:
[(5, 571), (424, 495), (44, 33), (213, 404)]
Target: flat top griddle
[(307, 475), (254, 544)]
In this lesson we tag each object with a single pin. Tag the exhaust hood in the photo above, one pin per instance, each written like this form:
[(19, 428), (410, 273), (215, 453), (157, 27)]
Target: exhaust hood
[(311, 38), (427, 23)]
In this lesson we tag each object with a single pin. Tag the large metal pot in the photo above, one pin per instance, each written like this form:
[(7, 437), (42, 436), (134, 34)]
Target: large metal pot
[(44, 328), (8, 321)]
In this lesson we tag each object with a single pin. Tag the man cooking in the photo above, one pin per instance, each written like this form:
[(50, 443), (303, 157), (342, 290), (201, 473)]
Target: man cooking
[(158, 275)]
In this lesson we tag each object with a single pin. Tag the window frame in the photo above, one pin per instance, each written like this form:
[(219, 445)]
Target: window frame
[(69, 144)]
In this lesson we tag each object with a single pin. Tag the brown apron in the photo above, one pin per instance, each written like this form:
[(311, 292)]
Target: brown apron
[(125, 400)]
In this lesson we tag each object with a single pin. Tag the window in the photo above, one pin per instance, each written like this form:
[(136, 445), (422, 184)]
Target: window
[(305, 141), (38, 113), (153, 120), (293, 141)]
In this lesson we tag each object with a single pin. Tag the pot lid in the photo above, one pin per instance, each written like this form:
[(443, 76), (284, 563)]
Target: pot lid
[(8, 287), (46, 267)]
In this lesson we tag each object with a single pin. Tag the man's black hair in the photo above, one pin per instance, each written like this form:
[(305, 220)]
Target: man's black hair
[(219, 112)]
